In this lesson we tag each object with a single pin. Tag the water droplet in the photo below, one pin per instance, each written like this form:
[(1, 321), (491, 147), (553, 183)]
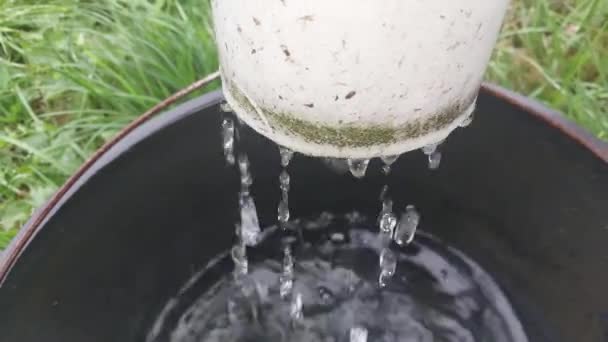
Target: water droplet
[(286, 284), (227, 132), (429, 149), (283, 210), (296, 308), (388, 261), (228, 140), (250, 225), (389, 160), (434, 160), (387, 220), (239, 257), (225, 107), (284, 181), (243, 163), (246, 178), (358, 334), (386, 169), (467, 121), (286, 155), (388, 265), (383, 193), (246, 181), (383, 279), (287, 261), (358, 167), (286, 278), (406, 230)]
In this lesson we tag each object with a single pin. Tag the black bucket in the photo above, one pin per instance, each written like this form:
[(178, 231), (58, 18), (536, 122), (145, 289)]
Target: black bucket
[(521, 191)]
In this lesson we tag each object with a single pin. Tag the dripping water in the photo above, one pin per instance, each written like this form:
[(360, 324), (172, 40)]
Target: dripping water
[(433, 154), (250, 224), (252, 299), (228, 140), (388, 265), (430, 149), (358, 167), (295, 311), (387, 221), (286, 278), (246, 178), (434, 160), (286, 156), (388, 161), (239, 258), (284, 181), (406, 229), (283, 210), (283, 213)]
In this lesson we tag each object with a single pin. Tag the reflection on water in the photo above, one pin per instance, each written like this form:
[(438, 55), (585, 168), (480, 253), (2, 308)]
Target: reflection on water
[(434, 293)]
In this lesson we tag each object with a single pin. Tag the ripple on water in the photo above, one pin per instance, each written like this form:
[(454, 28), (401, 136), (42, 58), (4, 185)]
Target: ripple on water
[(435, 293)]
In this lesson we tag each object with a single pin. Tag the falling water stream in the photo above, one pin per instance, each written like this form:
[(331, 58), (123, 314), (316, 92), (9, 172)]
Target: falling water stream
[(336, 278)]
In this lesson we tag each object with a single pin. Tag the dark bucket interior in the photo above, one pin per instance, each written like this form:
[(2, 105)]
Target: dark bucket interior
[(520, 197)]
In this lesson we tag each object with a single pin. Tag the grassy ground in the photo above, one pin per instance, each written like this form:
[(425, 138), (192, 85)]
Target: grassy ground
[(73, 72), (555, 50)]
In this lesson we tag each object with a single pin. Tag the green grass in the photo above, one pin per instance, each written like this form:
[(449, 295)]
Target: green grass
[(556, 51), (73, 72)]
